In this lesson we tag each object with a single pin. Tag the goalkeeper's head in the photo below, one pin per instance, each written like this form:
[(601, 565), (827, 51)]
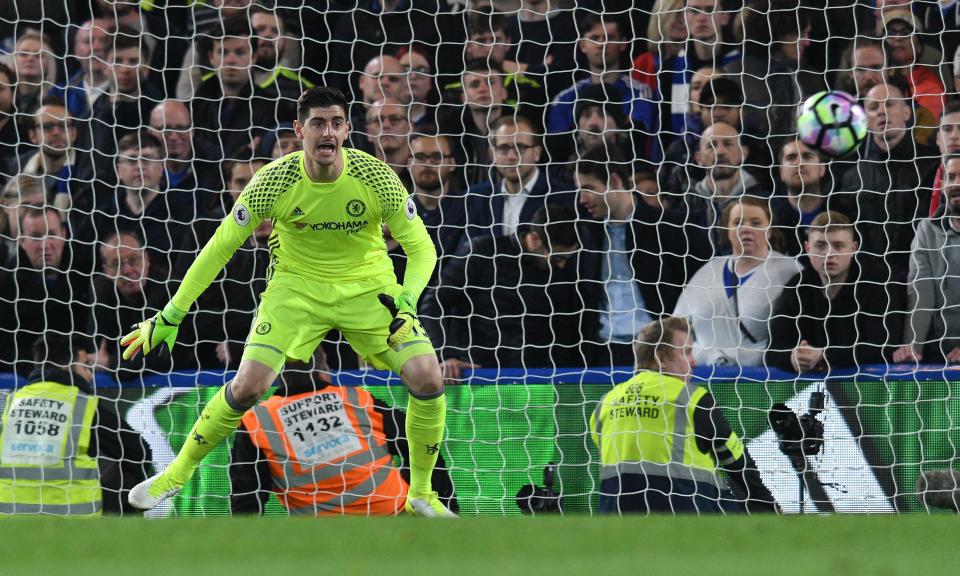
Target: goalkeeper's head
[(322, 124), (74, 353)]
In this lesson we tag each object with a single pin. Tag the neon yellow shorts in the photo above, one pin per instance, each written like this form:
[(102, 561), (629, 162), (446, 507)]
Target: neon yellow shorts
[(295, 315)]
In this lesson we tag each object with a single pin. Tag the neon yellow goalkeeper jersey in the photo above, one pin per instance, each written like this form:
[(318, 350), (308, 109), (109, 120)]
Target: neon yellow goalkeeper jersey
[(329, 232)]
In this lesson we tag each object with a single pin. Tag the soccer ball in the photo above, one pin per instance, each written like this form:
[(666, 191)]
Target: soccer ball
[(832, 122)]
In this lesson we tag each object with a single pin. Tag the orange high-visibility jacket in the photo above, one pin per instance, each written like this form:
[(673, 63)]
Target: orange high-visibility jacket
[(327, 453)]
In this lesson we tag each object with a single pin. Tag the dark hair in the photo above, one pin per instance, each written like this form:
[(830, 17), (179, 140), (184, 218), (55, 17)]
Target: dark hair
[(431, 131), (763, 22), (555, 224), (260, 9), (949, 157), (645, 170), (53, 101), (484, 20), (720, 90), (656, 338), (60, 349), (139, 140), (592, 19), (233, 26), (129, 37), (320, 97), (116, 234), (481, 66), (601, 162), (516, 120), (605, 96), (10, 74), (952, 107)]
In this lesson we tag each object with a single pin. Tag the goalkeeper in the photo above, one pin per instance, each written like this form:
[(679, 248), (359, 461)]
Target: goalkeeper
[(329, 270)]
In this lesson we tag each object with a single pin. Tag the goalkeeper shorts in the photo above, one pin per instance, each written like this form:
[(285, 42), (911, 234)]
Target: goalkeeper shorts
[(295, 315)]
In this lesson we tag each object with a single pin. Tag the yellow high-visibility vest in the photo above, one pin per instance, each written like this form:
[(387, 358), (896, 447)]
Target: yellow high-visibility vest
[(645, 426), (44, 439)]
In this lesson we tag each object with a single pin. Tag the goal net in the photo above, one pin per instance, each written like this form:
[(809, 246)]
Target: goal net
[(582, 168)]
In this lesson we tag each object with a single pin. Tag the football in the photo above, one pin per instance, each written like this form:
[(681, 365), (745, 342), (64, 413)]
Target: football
[(832, 122)]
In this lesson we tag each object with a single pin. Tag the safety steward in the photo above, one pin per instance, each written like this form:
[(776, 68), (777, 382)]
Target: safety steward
[(56, 436), (324, 450), (662, 439)]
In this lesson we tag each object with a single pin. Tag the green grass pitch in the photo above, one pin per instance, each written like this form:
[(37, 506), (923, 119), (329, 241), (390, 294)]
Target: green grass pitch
[(839, 545)]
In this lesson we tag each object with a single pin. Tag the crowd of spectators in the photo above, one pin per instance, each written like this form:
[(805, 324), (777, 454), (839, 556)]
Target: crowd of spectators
[(581, 169)]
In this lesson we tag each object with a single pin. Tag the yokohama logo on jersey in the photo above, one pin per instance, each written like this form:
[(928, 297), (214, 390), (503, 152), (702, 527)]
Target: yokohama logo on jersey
[(350, 227)]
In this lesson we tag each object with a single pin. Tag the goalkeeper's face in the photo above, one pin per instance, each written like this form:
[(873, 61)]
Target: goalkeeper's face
[(323, 133)]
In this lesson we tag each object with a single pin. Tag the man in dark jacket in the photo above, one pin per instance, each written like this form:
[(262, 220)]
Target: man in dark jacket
[(515, 300), (638, 257), (888, 191), (229, 111), (131, 284), (502, 207), (40, 289), (836, 313)]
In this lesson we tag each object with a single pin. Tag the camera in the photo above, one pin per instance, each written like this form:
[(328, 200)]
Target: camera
[(533, 499), (799, 436)]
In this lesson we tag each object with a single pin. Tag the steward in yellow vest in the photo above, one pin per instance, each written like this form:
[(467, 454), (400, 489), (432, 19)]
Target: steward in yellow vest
[(324, 450), (63, 451), (662, 439)]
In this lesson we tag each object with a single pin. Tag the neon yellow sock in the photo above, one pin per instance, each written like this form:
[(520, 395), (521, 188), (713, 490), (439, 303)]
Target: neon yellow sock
[(217, 421), (425, 420)]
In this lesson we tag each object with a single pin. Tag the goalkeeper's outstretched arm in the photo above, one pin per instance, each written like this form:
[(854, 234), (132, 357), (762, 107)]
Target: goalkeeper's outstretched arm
[(230, 235)]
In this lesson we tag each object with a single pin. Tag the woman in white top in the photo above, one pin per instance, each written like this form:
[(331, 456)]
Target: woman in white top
[(729, 300)]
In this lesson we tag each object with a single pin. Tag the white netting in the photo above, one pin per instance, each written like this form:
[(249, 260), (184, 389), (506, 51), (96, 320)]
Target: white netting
[(583, 168)]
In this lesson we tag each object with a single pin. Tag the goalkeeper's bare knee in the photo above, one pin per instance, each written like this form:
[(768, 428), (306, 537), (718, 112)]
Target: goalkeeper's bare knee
[(252, 381), (422, 376)]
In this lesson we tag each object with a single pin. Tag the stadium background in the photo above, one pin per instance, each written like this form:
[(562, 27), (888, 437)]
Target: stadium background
[(505, 429)]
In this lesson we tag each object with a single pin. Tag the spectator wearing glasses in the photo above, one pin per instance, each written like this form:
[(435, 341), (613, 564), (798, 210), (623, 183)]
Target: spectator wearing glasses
[(140, 203), (507, 206), (917, 63), (129, 284), (190, 171), (421, 85), (388, 128), (66, 172), (437, 190), (862, 67)]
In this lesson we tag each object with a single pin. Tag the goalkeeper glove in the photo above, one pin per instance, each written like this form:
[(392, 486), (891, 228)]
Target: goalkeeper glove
[(405, 322), (149, 334)]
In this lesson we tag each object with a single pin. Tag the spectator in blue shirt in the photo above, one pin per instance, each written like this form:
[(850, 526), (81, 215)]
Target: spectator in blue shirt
[(604, 46)]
